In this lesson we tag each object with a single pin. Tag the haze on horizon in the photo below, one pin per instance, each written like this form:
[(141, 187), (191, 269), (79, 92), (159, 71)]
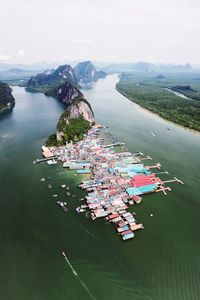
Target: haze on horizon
[(100, 30)]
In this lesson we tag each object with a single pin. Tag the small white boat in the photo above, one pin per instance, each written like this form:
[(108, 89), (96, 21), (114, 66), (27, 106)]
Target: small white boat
[(152, 133), (51, 162), (63, 205), (63, 186), (80, 210)]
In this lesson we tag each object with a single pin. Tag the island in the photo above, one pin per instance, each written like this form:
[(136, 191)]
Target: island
[(73, 124), (85, 72), (49, 79), (7, 101), (63, 84)]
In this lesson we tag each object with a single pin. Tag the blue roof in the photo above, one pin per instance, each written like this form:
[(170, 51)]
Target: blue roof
[(133, 169), (65, 164), (134, 191), (111, 170), (148, 188), (128, 236), (83, 162), (85, 171)]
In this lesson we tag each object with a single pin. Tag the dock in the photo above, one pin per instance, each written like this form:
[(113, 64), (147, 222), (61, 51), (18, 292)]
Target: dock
[(39, 160), (113, 145)]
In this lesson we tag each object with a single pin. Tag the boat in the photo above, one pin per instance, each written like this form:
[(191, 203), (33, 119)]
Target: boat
[(49, 186), (121, 229), (128, 236), (51, 162), (152, 133), (55, 195), (80, 210), (63, 205), (63, 186)]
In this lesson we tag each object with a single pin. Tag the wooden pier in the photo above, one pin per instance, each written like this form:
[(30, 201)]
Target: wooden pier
[(173, 180), (39, 160), (113, 145), (146, 158)]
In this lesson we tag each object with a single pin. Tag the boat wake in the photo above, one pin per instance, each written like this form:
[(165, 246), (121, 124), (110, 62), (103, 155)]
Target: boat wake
[(118, 261), (77, 276), (90, 234)]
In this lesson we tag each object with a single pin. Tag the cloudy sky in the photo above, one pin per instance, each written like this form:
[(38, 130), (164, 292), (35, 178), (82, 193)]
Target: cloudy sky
[(100, 30)]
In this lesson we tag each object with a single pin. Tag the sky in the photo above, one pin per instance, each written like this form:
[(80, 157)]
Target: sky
[(158, 31)]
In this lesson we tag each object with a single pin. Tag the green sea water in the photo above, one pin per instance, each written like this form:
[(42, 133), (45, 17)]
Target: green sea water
[(160, 263)]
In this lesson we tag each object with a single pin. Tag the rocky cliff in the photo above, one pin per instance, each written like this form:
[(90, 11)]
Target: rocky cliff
[(75, 121), (6, 98), (42, 82), (85, 72), (62, 84), (65, 92)]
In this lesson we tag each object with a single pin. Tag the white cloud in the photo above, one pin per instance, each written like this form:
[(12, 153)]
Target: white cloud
[(20, 53), (4, 57), (117, 30), (8, 56)]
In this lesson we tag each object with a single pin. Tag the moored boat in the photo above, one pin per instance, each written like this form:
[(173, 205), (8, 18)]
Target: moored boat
[(63, 205)]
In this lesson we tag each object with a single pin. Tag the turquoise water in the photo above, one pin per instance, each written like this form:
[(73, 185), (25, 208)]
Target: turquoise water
[(161, 262)]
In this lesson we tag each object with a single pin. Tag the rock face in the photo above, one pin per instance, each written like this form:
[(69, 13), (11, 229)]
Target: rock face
[(75, 121), (85, 72), (6, 98), (160, 76), (62, 84), (51, 78), (65, 92)]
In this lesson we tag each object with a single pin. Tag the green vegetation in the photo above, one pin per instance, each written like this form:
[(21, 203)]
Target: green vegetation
[(74, 130), (16, 82), (39, 89), (52, 141), (6, 98), (2, 106), (148, 92)]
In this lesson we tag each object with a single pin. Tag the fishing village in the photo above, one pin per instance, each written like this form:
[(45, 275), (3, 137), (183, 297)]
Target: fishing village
[(114, 178)]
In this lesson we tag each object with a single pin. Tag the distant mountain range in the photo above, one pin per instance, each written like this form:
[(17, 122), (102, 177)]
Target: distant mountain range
[(147, 67), (16, 74)]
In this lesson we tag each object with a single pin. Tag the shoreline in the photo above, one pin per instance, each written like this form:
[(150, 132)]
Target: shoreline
[(123, 93)]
